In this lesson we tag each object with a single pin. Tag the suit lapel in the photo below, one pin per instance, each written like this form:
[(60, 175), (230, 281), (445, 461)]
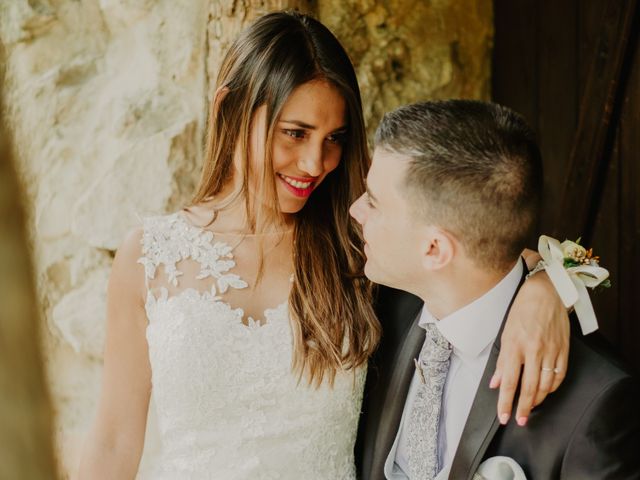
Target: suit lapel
[(482, 423), (396, 394), (480, 427)]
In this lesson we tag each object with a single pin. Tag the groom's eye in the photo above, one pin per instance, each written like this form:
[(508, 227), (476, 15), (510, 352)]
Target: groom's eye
[(367, 199)]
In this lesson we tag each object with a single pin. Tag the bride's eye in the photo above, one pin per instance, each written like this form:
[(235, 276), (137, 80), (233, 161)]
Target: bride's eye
[(294, 132), (338, 138)]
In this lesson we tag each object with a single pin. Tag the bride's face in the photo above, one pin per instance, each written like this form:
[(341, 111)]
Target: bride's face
[(308, 140)]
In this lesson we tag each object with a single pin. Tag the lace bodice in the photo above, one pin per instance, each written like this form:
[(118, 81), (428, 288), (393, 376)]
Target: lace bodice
[(225, 403)]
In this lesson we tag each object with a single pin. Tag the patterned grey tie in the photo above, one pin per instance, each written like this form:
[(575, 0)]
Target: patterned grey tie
[(422, 444)]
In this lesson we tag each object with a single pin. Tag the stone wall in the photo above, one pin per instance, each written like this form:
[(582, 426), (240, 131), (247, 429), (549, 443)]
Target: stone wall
[(406, 51), (107, 101)]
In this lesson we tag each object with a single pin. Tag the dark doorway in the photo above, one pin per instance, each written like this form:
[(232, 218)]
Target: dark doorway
[(572, 68)]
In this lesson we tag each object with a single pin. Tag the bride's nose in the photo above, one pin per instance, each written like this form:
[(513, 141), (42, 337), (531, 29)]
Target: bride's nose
[(311, 161)]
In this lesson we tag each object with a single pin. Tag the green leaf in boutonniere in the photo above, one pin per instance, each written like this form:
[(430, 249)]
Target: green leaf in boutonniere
[(570, 262)]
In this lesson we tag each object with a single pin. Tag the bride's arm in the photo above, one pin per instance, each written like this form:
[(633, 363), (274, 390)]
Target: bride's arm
[(114, 446), (536, 335)]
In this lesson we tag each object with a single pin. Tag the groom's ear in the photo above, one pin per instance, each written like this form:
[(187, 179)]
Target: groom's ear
[(439, 248)]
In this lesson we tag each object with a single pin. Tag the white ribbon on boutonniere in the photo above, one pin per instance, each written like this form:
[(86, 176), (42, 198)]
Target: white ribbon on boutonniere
[(499, 468), (571, 282)]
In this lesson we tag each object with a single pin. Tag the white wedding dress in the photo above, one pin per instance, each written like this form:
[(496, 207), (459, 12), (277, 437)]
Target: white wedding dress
[(225, 403)]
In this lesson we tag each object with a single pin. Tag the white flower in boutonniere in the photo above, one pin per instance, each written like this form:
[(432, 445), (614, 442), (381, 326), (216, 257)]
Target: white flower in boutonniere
[(572, 269), (573, 252)]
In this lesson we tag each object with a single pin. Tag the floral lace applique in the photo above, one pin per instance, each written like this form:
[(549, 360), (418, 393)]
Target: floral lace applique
[(168, 240)]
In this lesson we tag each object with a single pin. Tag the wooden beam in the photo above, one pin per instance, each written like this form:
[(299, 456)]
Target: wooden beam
[(588, 158), (629, 215)]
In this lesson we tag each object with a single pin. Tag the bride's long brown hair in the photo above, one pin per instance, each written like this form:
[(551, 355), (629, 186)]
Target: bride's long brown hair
[(333, 321)]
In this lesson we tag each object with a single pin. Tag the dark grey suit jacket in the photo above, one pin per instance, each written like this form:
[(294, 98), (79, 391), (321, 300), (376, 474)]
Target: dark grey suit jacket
[(588, 429)]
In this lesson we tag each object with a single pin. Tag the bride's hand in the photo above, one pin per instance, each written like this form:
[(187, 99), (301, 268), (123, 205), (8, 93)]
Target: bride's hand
[(536, 335)]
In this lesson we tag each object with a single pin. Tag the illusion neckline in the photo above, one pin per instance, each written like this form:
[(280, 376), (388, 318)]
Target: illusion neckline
[(182, 216)]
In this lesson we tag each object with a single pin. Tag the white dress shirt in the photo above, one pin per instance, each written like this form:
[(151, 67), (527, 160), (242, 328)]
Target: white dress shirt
[(471, 331)]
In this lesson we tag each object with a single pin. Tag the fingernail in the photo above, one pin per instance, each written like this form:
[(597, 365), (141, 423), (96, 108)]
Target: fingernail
[(494, 382), (522, 421), (504, 418)]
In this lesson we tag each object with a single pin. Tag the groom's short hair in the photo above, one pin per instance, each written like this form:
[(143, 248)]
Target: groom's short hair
[(474, 169)]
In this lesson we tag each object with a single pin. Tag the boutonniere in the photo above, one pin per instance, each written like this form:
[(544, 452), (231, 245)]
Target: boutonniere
[(572, 269), (575, 255)]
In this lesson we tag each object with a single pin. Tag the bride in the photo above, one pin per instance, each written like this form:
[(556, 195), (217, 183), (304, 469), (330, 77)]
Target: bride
[(241, 326)]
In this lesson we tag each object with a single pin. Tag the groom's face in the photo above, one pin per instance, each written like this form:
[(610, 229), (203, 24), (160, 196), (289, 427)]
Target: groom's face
[(392, 245)]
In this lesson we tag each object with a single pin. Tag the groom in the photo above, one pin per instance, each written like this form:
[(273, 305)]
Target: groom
[(452, 195)]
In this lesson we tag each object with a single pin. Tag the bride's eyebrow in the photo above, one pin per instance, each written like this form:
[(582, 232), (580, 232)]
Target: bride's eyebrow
[(302, 124)]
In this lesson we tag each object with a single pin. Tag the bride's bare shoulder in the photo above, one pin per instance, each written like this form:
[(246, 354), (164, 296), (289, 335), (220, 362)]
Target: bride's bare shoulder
[(127, 273), (130, 249)]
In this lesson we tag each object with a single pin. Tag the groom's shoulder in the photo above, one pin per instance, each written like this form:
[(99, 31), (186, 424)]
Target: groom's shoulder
[(597, 360), (396, 306), (396, 310), (597, 371), (588, 428)]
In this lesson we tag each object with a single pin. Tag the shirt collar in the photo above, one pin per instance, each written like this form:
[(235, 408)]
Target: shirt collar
[(475, 326)]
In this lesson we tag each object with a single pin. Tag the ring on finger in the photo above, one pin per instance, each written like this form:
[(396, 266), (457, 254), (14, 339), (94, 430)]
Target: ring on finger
[(548, 369), (557, 370)]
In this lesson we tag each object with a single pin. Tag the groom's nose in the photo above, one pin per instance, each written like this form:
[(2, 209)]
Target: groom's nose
[(357, 211)]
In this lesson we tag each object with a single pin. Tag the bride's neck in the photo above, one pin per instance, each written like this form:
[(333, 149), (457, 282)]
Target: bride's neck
[(229, 214)]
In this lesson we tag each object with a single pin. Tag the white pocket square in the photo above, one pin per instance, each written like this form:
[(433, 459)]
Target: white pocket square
[(499, 468)]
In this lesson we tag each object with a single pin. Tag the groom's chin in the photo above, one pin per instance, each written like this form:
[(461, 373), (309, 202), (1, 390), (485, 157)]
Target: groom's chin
[(371, 273), (378, 277), (368, 271)]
